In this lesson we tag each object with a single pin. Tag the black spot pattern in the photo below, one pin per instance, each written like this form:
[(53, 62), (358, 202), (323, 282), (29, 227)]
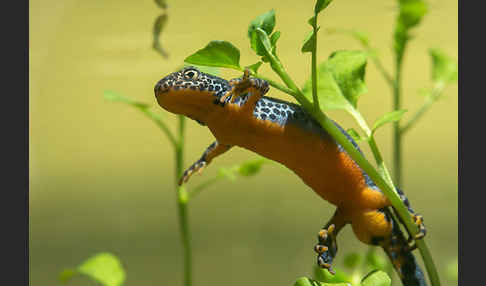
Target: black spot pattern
[(202, 82)]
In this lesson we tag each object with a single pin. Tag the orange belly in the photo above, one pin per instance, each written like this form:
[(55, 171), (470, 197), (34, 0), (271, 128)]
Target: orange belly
[(332, 174)]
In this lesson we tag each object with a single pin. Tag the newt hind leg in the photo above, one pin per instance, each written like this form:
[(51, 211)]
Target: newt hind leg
[(418, 219), (326, 247)]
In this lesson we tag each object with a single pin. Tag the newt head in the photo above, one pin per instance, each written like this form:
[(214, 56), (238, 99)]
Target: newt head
[(190, 92)]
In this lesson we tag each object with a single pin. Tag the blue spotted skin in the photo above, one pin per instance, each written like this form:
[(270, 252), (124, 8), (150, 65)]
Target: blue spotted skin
[(283, 112)]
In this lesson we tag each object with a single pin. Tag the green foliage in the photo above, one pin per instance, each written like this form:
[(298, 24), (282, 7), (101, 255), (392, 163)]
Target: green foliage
[(309, 42), (444, 68), (321, 5), (340, 81), (254, 67), (355, 135), (325, 276), (266, 23), (216, 54), (304, 281), (104, 268), (352, 260), (376, 278), (391, 116), (410, 14), (145, 108)]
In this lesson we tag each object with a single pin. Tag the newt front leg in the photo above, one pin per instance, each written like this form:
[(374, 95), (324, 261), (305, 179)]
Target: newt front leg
[(214, 150)]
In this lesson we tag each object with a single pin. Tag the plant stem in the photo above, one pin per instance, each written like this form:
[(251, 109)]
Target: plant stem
[(397, 138), (315, 99), (387, 189), (436, 92), (182, 200)]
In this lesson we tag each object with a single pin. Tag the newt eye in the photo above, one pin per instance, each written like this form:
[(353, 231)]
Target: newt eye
[(191, 74)]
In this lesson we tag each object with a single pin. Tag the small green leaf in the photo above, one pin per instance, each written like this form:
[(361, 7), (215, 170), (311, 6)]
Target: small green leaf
[(104, 268), (274, 37), (254, 67), (308, 45), (304, 281), (325, 276), (216, 54), (250, 168), (387, 118), (256, 45), (321, 5), (340, 81), (444, 68), (355, 135), (114, 96), (265, 21), (162, 3), (376, 261), (311, 21), (352, 260), (228, 173), (410, 14), (376, 278)]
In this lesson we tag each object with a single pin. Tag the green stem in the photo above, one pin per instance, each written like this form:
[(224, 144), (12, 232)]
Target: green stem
[(436, 92), (387, 189), (315, 99), (381, 69), (397, 139), (373, 146), (182, 200), (278, 86), (194, 192)]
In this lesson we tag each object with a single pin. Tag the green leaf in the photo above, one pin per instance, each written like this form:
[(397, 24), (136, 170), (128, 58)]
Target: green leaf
[(308, 45), (376, 278), (311, 21), (304, 281), (274, 37), (228, 173), (444, 68), (265, 21), (104, 268), (321, 5), (325, 276), (340, 81), (216, 54), (250, 168), (410, 14), (352, 260), (254, 67), (376, 261), (392, 116)]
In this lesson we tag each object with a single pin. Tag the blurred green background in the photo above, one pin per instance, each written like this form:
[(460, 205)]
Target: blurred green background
[(101, 174)]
